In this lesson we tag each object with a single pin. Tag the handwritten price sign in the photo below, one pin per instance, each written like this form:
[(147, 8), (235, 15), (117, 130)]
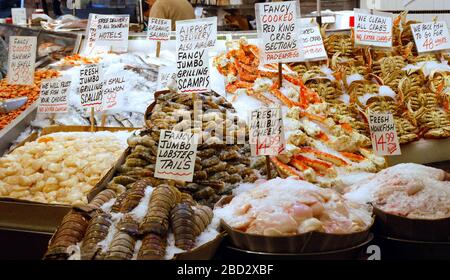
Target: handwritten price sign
[(383, 134), (91, 86), (278, 31), (112, 88), (159, 29), (107, 33), (53, 96), (19, 16), (22, 56), (176, 155), (431, 36), (194, 39), (312, 43), (266, 132), (373, 29)]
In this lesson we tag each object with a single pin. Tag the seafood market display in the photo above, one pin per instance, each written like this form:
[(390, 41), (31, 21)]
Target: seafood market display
[(353, 82), (240, 67), (139, 85), (327, 183), (324, 141), (219, 166), (409, 190), (59, 168), (281, 207), (143, 223), (138, 79), (8, 91), (322, 151)]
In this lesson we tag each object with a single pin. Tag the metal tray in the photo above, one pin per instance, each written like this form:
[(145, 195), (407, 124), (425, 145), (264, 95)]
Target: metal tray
[(34, 216), (355, 252), (12, 131)]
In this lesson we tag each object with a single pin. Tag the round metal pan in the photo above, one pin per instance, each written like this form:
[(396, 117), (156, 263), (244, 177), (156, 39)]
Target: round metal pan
[(403, 249), (353, 253)]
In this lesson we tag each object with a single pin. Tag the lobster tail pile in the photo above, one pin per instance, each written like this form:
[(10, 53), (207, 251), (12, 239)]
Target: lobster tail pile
[(142, 223), (168, 208)]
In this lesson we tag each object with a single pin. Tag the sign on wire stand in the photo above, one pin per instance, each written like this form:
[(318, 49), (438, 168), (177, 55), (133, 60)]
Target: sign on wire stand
[(266, 132), (383, 134), (194, 39), (431, 36), (113, 87), (21, 60), (279, 31), (91, 86), (19, 16), (373, 29), (53, 96), (312, 43), (176, 155), (159, 29), (107, 33)]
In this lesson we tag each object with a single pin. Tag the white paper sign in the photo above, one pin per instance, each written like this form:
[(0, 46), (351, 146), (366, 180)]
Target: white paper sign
[(166, 75), (312, 43), (53, 95), (159, 29), (91, 86), (107, 33), (176, 155), (431, 36), (194, 39), (266, 132), (21, 60), (373, 29), (112, 88), (19, 16), (383, 134), (278, 31)]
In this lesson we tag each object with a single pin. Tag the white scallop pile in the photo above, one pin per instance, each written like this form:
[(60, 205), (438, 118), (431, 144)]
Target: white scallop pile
[(61, 167)]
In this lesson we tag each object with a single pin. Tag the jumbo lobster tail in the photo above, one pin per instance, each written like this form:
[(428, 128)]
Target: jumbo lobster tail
[(153, 248), (70, 232), (122, 247), (182, 218), (162, 201), (97, 231)]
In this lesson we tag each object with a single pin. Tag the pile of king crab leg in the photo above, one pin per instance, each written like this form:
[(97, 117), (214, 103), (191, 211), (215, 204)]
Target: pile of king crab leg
[(328, 101)]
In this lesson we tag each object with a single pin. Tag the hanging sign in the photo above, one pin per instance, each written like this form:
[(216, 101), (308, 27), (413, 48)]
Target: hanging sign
[(112, 88), (373, 29), (21, 60), (266, 132), (278, 31), (431, 36), (194, 39), (91, 86), (383, 134), (166, 75), (107, 33), (176, 155), (53, 96), (312, 43), (159, 29), (19, 16)]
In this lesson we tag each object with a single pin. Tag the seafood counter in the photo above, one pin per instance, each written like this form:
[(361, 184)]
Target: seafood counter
[(140, 83), (329, 194)]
